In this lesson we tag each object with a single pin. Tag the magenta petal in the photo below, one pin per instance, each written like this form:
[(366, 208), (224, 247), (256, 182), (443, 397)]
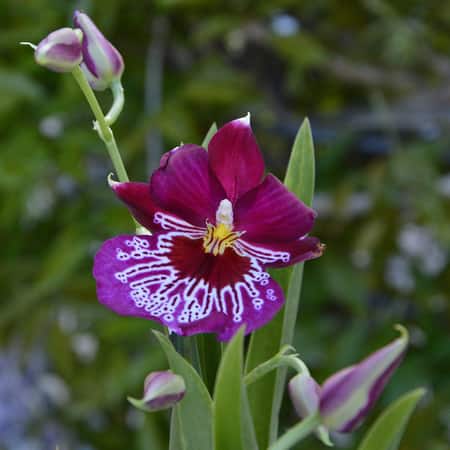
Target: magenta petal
[(137, 197), (185, 186), (167, 277), (270, 213), (235, 158)]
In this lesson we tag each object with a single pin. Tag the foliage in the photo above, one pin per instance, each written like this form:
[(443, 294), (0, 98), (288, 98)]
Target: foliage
[(372, 77)]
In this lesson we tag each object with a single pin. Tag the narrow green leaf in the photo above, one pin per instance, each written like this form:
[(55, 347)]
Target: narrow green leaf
[(300, 173), (233, 429), (264, 343), (265, 395), (175, 441), (387, 431), (299, 179), (195, 410), (210, 353), (211, 132)]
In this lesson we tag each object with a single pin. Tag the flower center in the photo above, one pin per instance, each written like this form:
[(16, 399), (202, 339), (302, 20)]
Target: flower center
[(221, 236)]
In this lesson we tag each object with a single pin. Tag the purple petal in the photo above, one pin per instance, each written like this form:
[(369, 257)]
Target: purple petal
[(169, 278), (185, 186), (270, 213), (348, 396), (235, 158)]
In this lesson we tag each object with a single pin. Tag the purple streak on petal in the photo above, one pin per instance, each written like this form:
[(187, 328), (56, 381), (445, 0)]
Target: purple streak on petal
[(270, 213), (169, 278), (60, 50), (165, 401), (185, 186), (330, 384), (235, 158), (65, 52), (374, 394)]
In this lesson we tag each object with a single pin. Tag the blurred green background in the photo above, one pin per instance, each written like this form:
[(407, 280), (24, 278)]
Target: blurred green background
[(373, 77)]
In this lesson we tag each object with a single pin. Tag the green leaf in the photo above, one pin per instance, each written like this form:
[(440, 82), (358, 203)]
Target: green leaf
[(175, 441), (387, 431), (195, 410), (210, 353), (233, 428), (300, 172), (266, 394), (211, 132)]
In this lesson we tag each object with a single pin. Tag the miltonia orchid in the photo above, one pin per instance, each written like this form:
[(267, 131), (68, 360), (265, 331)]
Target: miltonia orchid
[(218, 223)]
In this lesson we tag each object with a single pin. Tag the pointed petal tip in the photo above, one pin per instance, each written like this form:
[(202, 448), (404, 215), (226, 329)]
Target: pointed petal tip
[(321, 247), (28, 44), (324, 436), (404, 333), (112, 183), (245, 120)]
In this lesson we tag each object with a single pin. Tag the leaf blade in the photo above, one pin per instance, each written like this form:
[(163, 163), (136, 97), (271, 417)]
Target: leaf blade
[(211, 132), (388, 429), (232, 422), (195, 410)]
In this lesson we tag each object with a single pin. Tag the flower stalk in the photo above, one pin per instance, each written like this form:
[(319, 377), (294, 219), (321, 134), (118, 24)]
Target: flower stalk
[(281, 359), (101, 125), (297, 433)]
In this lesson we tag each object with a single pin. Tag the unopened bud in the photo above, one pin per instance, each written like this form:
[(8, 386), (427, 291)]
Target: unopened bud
[(162, 390), (60, 51), (102, 62)]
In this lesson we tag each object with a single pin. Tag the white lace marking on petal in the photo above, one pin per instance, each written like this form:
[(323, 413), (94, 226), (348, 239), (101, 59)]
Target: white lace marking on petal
[(168, 222), (156, 285), (264, 255)]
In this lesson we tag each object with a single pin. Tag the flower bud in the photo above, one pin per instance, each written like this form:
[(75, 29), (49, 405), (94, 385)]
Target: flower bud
[(60, 51), (162, 390), (345, 399), (102, 62)]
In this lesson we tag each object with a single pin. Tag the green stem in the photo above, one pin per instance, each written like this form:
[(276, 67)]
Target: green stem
[(296, 433), (119, 100), (279, 360), (101, 125)]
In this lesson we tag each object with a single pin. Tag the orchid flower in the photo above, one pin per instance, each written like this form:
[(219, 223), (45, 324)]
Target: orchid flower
[(218, 223)]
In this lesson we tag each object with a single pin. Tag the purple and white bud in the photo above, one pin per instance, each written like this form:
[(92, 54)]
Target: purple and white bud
[(102, 63), (162, 390), (60, 51), (346, 398)]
